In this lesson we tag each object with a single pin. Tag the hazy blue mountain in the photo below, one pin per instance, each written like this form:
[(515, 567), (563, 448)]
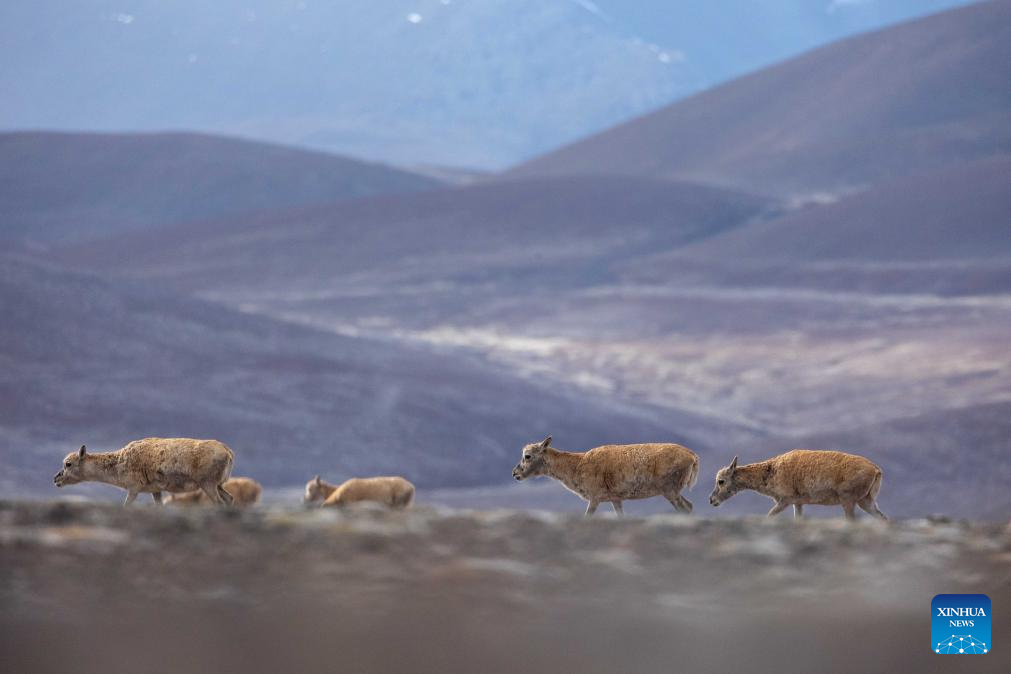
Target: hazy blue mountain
[(728, 38), (482, 83)]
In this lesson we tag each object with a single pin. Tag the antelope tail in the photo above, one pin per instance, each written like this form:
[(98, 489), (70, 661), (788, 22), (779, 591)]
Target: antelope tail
[(693, 475)]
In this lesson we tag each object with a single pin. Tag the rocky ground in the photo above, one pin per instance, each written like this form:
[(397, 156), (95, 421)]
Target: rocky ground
[(97, 588)]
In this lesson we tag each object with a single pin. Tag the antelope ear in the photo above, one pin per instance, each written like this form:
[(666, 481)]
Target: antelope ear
[(733, 465), (82, 451), (547, 442), (316, 479)]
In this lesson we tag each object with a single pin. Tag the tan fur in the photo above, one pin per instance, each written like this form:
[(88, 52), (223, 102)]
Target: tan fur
[(394, 492), (612, 473), (155, 465), (803, 476), (245, 491)]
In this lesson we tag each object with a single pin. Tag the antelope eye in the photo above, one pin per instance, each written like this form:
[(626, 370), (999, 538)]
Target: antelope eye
[(720, 481), (67, 464), (526, 456)]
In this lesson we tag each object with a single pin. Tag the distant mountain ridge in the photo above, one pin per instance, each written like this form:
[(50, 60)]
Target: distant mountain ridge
[(916, 97), (516, 233), (78, 186), (471, 83), (958, 213)]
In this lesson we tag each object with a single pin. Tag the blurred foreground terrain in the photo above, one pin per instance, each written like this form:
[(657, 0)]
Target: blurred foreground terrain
[(95, 588)]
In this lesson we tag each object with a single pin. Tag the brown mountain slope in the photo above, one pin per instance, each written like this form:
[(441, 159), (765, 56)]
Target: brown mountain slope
[(75, 186), (959, 213), (906, 99), (561, 230), (943, 233)]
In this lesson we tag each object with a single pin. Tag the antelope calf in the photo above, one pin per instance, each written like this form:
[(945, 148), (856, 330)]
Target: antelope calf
[(245, 491), (801, 477), (153, 466), (394, 492), (613, 473), (317, 490)]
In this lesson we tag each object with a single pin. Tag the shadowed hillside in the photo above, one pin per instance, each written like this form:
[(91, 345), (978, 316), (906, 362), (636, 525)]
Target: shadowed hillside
[(74, 186), (945, 233), (516, 233), (88, 361), (959, 213), (914, 97), (593, 284)]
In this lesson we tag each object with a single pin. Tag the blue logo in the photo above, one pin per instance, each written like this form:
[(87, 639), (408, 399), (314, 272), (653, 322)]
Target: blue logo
[(960, 624)]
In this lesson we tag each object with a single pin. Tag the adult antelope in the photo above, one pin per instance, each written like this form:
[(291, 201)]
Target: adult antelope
[(613, 473), (801, 477)]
